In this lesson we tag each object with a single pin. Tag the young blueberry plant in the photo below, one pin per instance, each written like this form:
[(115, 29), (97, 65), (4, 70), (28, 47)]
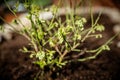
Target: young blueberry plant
[(52, 41)]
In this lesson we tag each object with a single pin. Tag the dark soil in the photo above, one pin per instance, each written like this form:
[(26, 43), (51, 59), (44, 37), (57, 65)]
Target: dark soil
[(15, 65)]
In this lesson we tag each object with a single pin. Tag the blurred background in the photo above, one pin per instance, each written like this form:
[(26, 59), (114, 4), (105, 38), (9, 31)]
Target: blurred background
[(6, 14)]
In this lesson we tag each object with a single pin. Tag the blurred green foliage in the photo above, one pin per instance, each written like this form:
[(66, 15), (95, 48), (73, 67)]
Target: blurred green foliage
[(42, 2)]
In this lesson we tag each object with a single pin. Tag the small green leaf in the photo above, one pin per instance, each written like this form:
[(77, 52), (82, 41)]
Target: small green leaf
[(60, 64), (42, 64), (51, 43), (32, 55), (93, 31), (25, 49), (100, 28), (55, 24), (105, 47), (40, 55), (98, 36), (84, 20)]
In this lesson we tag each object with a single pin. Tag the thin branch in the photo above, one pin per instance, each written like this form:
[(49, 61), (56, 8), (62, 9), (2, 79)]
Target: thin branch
[(57, 49), (66, 51)]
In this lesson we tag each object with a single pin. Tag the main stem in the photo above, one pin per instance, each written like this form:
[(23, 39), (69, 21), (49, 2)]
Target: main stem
[(66, 51)]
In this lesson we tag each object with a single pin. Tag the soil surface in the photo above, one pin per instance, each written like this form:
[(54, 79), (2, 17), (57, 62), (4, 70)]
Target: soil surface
[(15, 65)]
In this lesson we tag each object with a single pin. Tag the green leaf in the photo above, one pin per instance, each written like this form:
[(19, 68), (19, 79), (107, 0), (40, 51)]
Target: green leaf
[(77, 37), (25, 49), (98, 36), (51, 43), (40, 55), (32, 55), (83, 20), (42, 64), (50, 56), (105, 47), (100, 28), (69, 28), (60, 64)]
